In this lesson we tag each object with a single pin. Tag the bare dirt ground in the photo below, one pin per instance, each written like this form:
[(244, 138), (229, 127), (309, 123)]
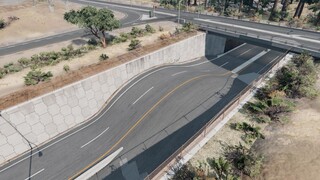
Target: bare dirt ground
[(291, 150), (13, 82), (36, 22)]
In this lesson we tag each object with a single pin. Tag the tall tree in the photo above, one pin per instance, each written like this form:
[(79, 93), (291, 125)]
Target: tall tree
[(274, 10), (195, 2), (300, 7), (284, 9), (240, 5), (97, 21)]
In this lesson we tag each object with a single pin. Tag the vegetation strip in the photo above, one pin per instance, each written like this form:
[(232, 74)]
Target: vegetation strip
[(272, 104)]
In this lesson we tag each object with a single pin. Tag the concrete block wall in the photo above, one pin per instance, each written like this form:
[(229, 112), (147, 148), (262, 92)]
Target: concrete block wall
[(45, 117)]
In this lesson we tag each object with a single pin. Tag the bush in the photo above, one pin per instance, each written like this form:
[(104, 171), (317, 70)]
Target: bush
[(298, 78), (24, 62), (243, 160), (251, 132), (122, 38), (184, 172), (136, 32), (134, 44), (66, 68), (161, 28), (188, 27), (93, 41), (272, 107), (164, 36), (36, 76), (103, 57), (221, 168), (2, 23), (275, 16), (149, 29)]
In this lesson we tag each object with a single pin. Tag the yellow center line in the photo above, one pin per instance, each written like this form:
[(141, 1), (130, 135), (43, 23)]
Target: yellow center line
[(138, 122)]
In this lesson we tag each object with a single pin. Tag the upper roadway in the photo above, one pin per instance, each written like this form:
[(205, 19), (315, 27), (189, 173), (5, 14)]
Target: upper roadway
[(263, 34), (150, 117)]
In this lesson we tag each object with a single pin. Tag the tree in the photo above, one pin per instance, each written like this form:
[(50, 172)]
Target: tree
[(97, 21), (300, 7), (284, 9), (316, 9), (274, 10)]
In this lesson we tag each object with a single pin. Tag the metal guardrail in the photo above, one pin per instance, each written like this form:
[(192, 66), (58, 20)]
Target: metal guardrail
[(251, 86)]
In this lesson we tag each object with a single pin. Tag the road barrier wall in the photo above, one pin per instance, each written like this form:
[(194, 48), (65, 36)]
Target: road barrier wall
[(41, 119)]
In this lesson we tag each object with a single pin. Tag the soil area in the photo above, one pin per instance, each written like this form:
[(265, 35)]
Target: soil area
[(291, 149), (15, 81), (38, 21)]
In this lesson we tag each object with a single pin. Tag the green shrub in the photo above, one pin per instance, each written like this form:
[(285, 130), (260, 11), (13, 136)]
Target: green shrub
[(66, 68), (243, 160), (24, 62), (274, 107), (36, 76), (298, 78), (136, 32), (134, 44), (149, 29), (275, 16), (251, 132), (103, 57), (2, 23), (120, 39), (184, 172), (188, 27), (221, 168), (93, 41)]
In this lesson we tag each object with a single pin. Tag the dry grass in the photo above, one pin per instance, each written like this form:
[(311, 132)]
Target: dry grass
[(36, 21)]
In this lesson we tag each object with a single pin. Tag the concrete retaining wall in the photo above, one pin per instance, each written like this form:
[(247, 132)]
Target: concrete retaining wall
[(45, 117)]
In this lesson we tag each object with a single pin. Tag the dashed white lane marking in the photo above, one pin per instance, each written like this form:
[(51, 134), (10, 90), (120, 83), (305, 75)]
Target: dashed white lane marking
[(178, 73), (245, 52), (224, 64), (142, 96), (95, 138), (34, 174)]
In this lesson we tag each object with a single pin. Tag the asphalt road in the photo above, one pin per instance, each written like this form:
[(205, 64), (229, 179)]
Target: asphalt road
[(308, 40), (132, 17), (150, 118), (298, 37)]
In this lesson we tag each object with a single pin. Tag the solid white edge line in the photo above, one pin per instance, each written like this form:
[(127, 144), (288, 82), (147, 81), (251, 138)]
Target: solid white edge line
[(224, 64), (259, 30), (98, 117), (95, 138), (245, 64), (142, 96), (96, 168), (125, 7), (34, 174), (179, 73)]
